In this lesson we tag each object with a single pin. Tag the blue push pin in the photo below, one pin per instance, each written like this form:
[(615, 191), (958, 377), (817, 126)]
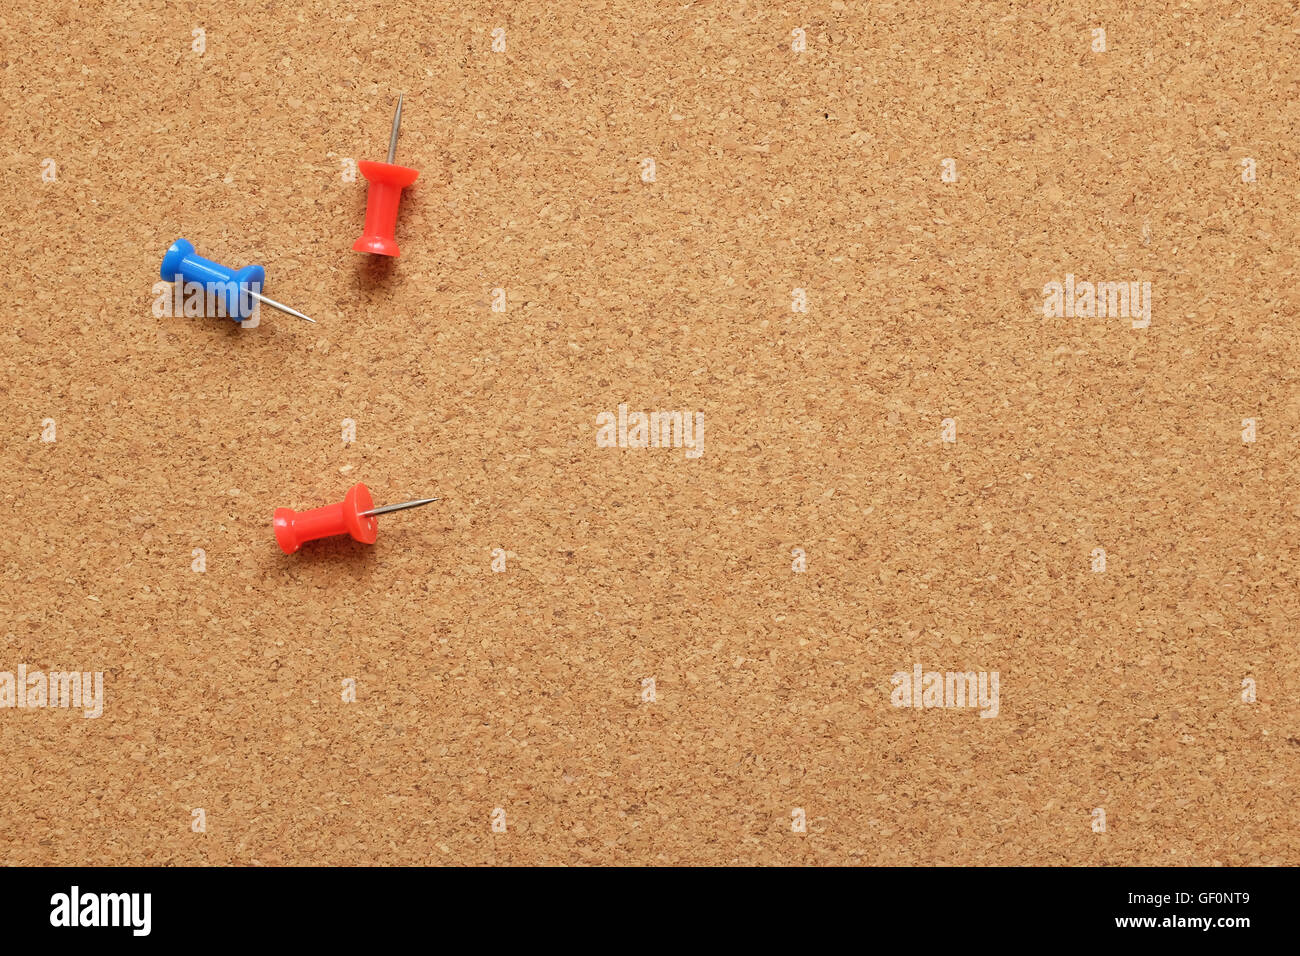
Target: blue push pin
[(236, 290)]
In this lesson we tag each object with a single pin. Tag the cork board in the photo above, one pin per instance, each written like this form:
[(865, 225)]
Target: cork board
[(828, 232)]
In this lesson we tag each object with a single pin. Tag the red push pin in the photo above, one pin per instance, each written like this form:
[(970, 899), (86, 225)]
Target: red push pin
[(354, 515), (386, 184)]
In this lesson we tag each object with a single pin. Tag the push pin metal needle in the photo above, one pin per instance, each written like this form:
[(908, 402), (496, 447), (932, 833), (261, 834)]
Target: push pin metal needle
[(354, 515), (234, 289), (397, 124), (280, 305), (386, 184), (389, 509)]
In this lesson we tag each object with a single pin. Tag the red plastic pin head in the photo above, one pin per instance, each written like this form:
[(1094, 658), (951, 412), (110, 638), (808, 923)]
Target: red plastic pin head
[(292, 528), (386, 185)]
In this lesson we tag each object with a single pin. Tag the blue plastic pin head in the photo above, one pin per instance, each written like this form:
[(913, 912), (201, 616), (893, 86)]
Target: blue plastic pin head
[(236, 292), (229, 288)]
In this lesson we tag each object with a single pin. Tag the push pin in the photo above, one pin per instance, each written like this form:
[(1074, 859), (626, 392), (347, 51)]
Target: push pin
[(354, 515), (236, 289), (386, 184)]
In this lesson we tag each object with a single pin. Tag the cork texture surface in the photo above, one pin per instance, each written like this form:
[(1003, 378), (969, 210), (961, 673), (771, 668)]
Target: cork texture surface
[(985, 322)]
